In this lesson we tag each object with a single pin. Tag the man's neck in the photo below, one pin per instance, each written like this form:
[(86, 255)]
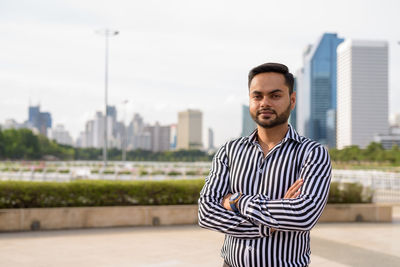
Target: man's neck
[(270, 137)]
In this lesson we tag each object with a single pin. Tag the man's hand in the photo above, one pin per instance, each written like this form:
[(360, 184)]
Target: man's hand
[(225, 202), (292, 192)]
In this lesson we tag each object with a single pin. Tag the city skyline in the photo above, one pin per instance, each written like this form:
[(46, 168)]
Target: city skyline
[(168, 56)]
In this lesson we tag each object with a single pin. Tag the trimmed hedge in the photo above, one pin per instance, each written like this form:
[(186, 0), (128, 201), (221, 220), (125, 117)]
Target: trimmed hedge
[(18, 194), (349, 193)]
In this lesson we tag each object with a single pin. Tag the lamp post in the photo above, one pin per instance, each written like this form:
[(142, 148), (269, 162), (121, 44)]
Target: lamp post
[(124, 138), (107, 33)]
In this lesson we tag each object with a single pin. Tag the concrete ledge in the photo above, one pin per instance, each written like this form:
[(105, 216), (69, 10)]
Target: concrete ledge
[(89, 217), (357, 213)]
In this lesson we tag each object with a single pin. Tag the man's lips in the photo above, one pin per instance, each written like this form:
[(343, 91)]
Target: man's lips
[(265, 112)]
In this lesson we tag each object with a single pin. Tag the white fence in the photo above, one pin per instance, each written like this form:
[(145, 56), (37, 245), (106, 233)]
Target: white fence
[(385, 185)]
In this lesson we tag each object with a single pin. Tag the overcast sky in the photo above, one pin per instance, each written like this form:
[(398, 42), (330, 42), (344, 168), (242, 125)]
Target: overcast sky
[(169, 56)]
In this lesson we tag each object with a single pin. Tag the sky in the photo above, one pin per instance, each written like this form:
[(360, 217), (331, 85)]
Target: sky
[(169, 55)]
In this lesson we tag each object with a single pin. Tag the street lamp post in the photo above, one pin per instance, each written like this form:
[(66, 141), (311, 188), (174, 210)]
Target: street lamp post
[(124, 138), (107, 33)]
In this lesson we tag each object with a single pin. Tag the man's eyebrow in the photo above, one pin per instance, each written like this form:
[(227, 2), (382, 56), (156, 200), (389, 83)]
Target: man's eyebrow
[(275, 91)]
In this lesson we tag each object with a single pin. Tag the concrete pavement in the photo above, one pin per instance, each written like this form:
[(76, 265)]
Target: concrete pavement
[(332, 244)]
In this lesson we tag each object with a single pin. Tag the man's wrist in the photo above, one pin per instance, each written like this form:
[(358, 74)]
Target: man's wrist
[(243, 203), (233, 200)]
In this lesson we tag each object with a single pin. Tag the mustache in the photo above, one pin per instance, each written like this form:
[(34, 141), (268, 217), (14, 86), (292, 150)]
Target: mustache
[(266, 109)]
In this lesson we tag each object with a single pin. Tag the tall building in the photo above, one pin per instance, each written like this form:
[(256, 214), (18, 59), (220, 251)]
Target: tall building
[(39, 120), (362, 78), (190, 129), (173, 136), (248, 125), (61, 135), (159, 136), (210, 139), (316, 89), (293, 113)]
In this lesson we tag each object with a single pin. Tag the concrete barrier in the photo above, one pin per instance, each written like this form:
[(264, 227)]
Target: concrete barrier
[(90, 217), (357, 213), (87, 217)]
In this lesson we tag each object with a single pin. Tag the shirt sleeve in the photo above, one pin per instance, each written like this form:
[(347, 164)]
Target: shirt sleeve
[(213, 216), (301, 213)]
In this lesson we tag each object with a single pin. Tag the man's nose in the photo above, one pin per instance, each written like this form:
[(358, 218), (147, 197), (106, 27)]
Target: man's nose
[(265, 102)]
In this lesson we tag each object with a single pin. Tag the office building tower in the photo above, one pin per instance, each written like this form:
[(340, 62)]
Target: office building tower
[(293, 113), (248, 124), (190, 129), (60, 135), (316, 88), (159, 137), (210, 139), (39, 120), (362, 81), (173, 136)]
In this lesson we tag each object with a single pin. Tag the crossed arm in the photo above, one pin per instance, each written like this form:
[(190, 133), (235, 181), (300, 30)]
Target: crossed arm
[(259, 216)]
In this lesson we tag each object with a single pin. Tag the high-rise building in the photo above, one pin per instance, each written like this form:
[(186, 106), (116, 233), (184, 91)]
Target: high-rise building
[(190, 129), (173, 136), (316, 88), (362, 81), (293, 113), (39, 120), (61, 135), (210, 139), (159, 136), (248, 125)]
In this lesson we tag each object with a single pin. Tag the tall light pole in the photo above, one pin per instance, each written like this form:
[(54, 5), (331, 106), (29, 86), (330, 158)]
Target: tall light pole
[(124, 138), (107, 33)]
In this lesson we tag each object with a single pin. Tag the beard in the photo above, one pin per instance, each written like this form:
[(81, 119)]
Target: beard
[(279, 118)]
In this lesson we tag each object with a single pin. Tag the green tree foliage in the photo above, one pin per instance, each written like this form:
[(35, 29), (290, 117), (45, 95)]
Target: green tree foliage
[(374, 152), (23, 144)]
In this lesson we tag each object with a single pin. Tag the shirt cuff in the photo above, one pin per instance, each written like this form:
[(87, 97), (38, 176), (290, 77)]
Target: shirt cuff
[(243, 203), (265, 230)]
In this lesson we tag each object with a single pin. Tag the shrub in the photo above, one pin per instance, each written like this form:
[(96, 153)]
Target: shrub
[(19, 194), (349, 193), (192, 172), (143, 173), (124, 172), (174, 173), (78, 193)]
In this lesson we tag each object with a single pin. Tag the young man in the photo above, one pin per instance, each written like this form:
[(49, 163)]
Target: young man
[(267, 190)]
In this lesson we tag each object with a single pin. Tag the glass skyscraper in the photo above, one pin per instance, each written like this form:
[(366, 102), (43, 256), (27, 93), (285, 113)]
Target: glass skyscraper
[(248, 125), (317, 90)]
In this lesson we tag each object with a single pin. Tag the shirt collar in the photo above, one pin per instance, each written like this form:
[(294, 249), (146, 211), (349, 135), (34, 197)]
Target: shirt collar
[(291, 134)]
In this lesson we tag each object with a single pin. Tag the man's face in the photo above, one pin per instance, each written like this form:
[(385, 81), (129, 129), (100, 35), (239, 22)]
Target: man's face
[(270, 102)]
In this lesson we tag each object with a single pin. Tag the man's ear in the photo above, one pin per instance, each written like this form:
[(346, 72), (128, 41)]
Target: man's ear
[(292, 100)]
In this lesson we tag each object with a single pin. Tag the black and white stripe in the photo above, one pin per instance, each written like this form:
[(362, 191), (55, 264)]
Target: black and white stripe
[(240, 166)]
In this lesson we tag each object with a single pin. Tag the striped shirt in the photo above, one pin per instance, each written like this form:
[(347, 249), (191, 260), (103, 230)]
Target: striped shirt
[(240, 166)]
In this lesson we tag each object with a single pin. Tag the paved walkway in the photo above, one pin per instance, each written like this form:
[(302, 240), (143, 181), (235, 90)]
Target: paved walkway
[(332, 244)]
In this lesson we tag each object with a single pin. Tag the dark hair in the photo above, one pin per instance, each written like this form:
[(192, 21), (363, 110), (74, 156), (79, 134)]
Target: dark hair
[(274, 67)]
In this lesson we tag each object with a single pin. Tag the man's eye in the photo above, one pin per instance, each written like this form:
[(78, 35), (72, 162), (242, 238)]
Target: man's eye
[(276, 96)]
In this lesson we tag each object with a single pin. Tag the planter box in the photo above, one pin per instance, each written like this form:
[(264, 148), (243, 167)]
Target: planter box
[(357, 213), (90, 217)]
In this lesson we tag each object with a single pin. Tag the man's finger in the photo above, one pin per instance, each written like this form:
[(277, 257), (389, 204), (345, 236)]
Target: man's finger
[(293, 190)]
